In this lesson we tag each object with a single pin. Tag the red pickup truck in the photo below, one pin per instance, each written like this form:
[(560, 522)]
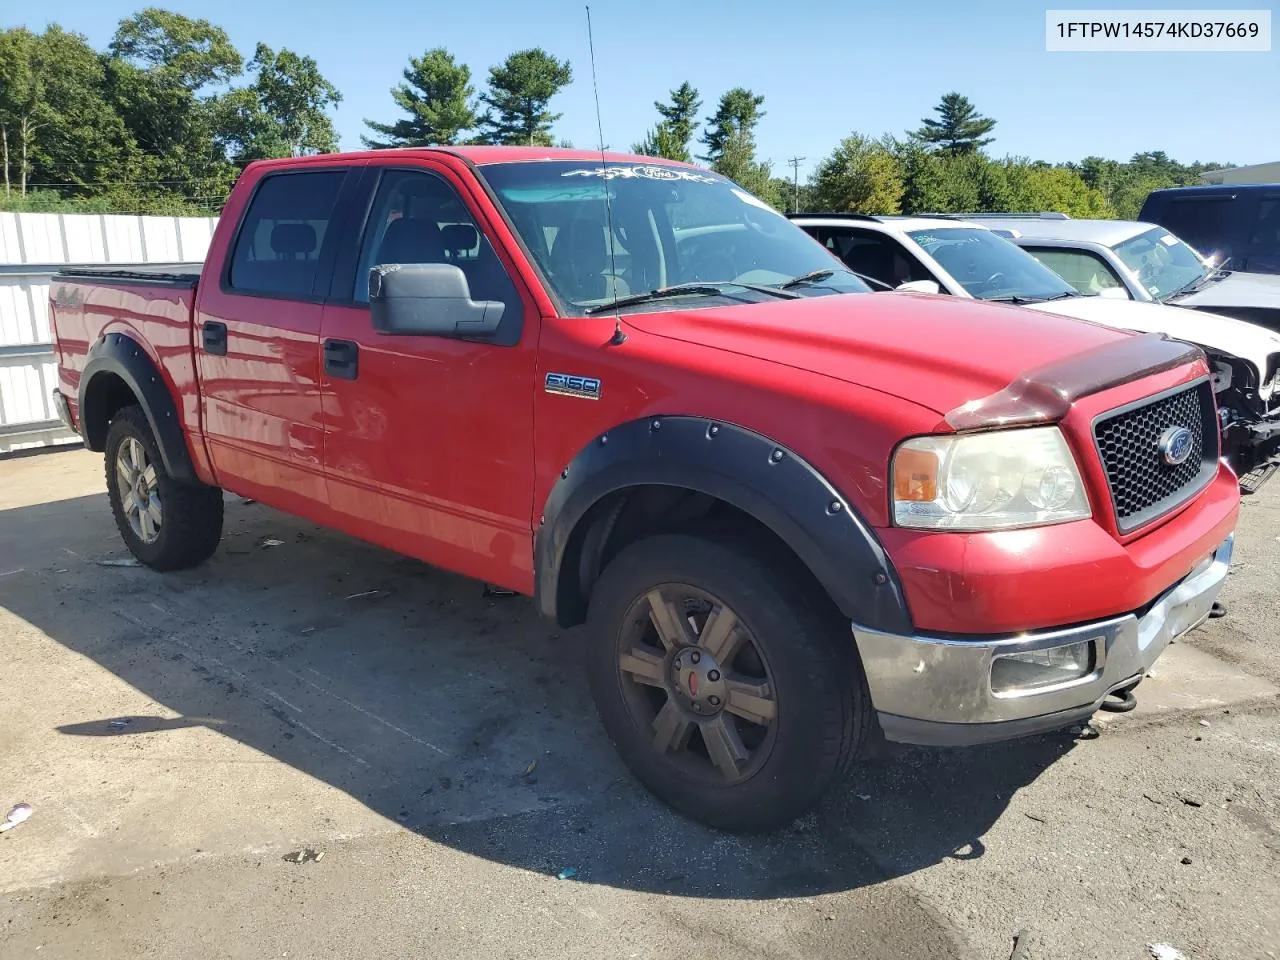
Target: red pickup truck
[(791, 516)]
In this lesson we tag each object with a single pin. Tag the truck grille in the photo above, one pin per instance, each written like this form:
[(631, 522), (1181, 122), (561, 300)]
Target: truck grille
[(1144, 484)]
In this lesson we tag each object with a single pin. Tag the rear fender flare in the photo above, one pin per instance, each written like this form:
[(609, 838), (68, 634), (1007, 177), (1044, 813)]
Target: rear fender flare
[(120, 355), (762, 478)]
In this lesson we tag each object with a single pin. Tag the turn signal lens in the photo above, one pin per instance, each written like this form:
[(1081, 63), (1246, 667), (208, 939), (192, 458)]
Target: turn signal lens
[(915, 475)]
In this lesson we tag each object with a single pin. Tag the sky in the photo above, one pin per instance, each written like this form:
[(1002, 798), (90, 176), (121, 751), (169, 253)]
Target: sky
[(825, 69)]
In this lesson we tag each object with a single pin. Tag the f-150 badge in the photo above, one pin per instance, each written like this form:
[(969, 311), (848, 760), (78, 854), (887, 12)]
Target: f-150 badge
[(568, 385)]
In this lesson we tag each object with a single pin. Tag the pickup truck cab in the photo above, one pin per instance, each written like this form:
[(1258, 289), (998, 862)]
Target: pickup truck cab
[(626, 388), (963, 258)]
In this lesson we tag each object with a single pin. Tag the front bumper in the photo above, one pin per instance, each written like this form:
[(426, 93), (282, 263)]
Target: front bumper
[(932, 690)]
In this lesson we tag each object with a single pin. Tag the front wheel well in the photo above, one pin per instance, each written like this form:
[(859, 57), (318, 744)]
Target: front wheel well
[(105, 396), (625, 516)]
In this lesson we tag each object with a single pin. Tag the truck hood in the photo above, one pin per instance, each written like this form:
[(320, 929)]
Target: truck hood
[(1214, 332), (937, 352), (1236, 289)]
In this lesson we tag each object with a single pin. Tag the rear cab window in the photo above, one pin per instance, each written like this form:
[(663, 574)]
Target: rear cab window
[(277, 250)]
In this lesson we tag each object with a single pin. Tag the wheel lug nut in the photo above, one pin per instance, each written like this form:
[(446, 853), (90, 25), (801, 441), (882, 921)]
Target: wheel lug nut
[(697, 707), (714, 701), (713, 675), (695, 656)]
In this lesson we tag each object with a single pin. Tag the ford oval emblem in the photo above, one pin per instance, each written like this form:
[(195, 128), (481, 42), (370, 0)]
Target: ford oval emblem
[(1175, 446)]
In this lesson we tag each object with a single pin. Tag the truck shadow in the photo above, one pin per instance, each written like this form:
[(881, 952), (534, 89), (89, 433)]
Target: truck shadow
[(458, 715)]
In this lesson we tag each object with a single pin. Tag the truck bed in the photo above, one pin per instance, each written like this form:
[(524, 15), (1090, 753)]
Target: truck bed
[(153, 305)]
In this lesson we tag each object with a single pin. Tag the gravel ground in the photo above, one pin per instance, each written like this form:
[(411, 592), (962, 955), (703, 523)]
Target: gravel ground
[(439, 747)]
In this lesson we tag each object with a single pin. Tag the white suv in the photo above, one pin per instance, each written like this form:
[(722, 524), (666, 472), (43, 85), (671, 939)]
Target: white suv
[(966, 259)]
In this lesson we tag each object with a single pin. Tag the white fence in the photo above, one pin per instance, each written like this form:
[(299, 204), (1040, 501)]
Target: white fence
[(35, 246)]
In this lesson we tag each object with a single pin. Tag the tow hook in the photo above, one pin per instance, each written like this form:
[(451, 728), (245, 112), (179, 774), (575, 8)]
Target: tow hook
[(1120, 701)]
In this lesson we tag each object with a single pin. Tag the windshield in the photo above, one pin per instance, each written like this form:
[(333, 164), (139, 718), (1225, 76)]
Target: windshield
[(1162, 263), (990, 267), (671, 225)]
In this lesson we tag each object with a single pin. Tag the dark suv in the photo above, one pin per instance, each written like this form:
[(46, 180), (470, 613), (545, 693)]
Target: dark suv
[(1240, 221)]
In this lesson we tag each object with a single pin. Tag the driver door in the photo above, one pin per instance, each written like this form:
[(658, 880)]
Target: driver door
[(428, 441)]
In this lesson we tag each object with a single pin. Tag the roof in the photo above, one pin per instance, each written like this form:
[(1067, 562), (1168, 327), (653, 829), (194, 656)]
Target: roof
[(479, 155), (1227, 187), (1106, 232), (905, 224)]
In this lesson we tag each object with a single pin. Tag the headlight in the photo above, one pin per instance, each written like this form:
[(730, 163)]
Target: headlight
[(987, 481)]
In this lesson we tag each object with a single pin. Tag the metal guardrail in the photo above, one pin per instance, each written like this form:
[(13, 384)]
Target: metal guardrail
[(22, 354)]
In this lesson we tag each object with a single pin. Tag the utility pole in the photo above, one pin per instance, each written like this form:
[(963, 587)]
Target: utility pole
[(795, 183)]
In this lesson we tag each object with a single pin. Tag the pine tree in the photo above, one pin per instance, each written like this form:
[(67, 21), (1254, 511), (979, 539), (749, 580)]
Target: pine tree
[(959, 129), (437, 96), (520, 89)]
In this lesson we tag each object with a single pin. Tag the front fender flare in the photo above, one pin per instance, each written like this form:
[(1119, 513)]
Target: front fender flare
[(120, 355), (745, 469)]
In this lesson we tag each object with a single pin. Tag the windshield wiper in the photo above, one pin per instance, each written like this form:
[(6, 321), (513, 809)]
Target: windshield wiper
[(1019, 301), (713, 288), (1216, 273), (817, 276)]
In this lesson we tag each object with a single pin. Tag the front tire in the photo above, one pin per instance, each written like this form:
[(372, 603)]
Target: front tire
[(167, 525), (728, 687)]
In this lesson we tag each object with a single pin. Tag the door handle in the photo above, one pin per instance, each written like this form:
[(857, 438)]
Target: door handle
[(341, 359), (213, 335)]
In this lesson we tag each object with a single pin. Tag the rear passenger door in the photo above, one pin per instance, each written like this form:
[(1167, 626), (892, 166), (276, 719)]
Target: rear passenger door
[(428, 440), (258, 339)]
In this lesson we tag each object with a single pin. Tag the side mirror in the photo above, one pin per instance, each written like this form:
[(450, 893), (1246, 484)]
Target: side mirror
[(920, 286), (429, 299)]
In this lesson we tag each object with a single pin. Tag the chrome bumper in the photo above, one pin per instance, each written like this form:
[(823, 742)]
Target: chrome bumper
[(938, 691)]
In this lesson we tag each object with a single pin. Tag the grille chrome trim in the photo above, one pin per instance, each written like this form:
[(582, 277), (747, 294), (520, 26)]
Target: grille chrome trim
[(1142, 488)]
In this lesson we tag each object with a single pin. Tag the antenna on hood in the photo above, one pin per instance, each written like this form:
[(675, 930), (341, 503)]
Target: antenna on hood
[(618, 336)]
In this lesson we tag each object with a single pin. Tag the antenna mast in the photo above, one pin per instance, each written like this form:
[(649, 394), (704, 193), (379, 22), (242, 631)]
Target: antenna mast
[(618, 336)]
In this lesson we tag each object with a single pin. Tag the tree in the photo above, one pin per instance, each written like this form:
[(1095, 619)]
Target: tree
[(190, 53), (56, 128), (670, 138), (959, 129), (735, 119), (860, 176), (520, 88), (282, 113), (158, 67), (437, 96)]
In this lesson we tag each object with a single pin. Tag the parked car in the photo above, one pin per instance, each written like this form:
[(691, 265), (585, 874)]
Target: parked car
[(1140, 261), (775, 509), (965, 259), (1236, 223)]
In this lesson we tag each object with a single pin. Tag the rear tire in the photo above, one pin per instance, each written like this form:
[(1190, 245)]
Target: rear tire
[(727, 685), (167, 525)]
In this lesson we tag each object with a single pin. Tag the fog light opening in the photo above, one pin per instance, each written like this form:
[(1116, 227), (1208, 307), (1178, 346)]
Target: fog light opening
[(1030, 670)]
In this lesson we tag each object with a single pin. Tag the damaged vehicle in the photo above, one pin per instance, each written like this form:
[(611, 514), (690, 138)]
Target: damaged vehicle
[(974, 259)]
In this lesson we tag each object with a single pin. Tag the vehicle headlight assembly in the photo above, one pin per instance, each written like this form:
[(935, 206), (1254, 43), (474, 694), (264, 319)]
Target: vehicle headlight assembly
[(1001, 480)]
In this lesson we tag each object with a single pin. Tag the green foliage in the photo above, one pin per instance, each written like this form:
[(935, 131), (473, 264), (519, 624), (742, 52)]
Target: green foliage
[(438, 97), (959, 127), (189, 53), (282, 113), (671, 137), (733, 124), (520, 89), (860, 176)]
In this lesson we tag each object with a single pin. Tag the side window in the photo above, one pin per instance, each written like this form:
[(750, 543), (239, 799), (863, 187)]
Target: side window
[(418, 218), (1266, 228), (1084, 270), (1207, 224), (876, 255), (277, 251)]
